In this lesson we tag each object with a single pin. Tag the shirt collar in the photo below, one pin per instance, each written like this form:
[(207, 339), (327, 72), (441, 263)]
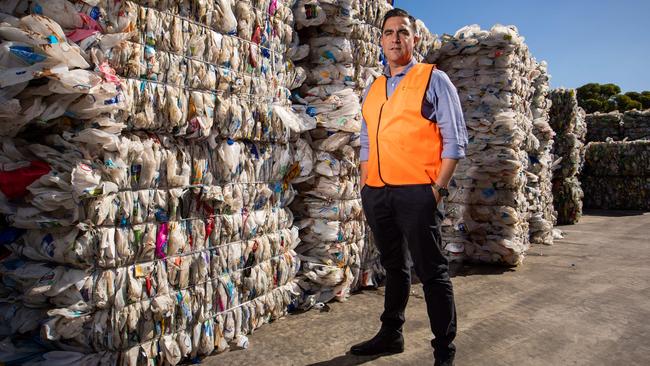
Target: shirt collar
[(406, 69)]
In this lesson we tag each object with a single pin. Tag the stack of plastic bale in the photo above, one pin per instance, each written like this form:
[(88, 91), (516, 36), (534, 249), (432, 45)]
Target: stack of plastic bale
[(368, 63), (539, 174), (365, 36), (617, 175), (568, 122), (636, 125), (601, 126), (487, 211), (150, 216), (328, 207), (345, 59), (45, 86), (427, 43)]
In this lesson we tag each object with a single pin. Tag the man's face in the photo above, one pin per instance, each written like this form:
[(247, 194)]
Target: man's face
[(398, 40)]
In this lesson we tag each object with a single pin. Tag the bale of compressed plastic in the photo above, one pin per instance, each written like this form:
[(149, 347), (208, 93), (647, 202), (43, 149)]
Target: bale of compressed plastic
[(343, 59), (636, 125), (328, 208), (601, 126), (568, 122), (151, 208), (35, 48), (487, 217), (616, 193), (616, 175), (541, 215), (568, 195), (619, 158)]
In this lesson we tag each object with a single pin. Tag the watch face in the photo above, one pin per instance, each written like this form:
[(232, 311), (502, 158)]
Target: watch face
[(443, 192)]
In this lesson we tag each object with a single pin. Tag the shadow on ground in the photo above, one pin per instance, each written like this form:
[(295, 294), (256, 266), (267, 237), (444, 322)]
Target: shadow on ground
[(463, 270), (466, 269), (610, 213), (347, 359)]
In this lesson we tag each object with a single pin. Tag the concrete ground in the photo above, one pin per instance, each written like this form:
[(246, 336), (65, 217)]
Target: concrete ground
[(583, 301)]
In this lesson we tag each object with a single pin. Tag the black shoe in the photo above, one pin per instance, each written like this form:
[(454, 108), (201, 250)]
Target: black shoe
[(446, 361), (382, 343)]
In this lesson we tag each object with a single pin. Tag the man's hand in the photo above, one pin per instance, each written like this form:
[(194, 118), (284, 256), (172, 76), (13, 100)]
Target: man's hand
[(444, 176), (364, 174), (436, 194)]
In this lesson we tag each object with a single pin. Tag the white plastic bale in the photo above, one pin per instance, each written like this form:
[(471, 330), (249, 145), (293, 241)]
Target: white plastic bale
[(497, 188), (616, 175), (175, 278), (151, 165), (212, 334), (601, 126), (539, 186), (328, 208), (636, 125), (37, 47), (184, 305), (344, 59), (334, 108), (568, 122), (143, 198)]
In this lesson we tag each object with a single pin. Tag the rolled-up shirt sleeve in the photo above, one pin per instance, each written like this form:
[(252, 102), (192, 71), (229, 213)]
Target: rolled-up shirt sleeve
[(448, 113)]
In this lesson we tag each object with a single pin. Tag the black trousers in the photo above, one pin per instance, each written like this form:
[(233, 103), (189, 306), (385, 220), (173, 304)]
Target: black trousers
[(405, 222)]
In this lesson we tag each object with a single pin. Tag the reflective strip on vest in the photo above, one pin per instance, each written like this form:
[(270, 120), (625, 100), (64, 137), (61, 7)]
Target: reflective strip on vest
[(405, 147)]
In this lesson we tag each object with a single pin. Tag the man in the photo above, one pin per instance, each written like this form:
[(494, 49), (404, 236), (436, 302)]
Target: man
[(412, 135)]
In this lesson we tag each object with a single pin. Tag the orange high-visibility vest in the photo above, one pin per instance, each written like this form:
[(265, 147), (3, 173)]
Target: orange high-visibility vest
[(405, 147)]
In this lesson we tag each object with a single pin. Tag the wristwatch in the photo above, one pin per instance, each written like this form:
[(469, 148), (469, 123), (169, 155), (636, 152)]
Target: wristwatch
[(442, 191)]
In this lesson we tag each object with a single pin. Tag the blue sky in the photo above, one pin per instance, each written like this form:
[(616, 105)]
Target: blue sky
[(602, 41)]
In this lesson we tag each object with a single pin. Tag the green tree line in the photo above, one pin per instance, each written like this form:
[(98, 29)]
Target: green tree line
[(594, 97)]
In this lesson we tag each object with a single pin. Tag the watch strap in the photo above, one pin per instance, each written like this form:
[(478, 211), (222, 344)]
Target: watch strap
[(441, 190)]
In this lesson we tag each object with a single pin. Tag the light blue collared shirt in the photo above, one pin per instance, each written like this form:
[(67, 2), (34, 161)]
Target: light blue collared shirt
[(441, 104)]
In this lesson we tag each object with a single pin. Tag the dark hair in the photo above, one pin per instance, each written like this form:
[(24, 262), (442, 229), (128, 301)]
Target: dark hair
[(397, 12)]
